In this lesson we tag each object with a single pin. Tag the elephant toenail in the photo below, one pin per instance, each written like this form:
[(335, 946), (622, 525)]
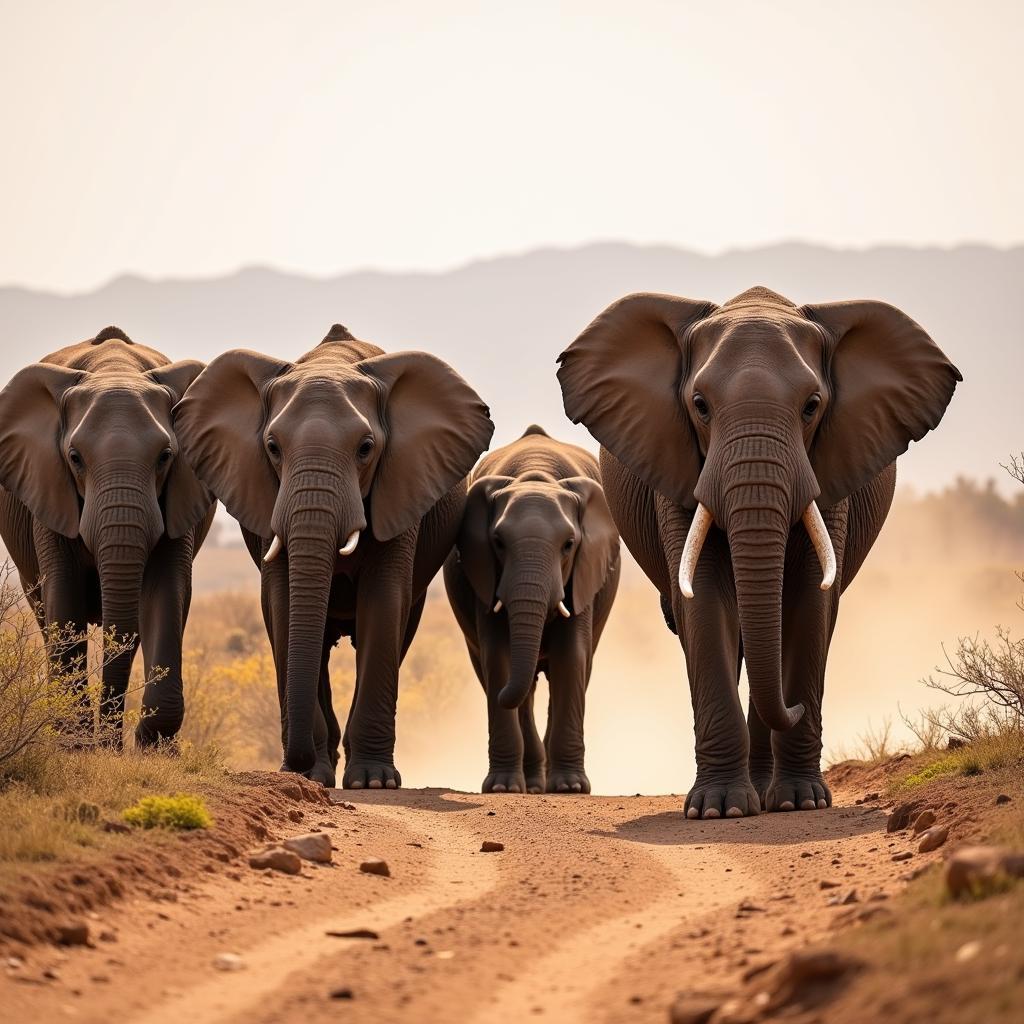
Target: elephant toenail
[(693, 813), (391, 784), (355, 785), (375, 784), (787, 805), (498, 788), (807, 805), (712, 812), (734, 812), (822, 804)]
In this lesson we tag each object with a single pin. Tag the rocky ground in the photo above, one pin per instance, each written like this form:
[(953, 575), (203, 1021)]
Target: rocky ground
[(428, 905)]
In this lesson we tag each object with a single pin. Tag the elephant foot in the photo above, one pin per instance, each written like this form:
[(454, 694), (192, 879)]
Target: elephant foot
[(722, 796), (567, 780), (761, 780), (535, 779), (790, 791), (371, 775), (499, 781), (322, 772)]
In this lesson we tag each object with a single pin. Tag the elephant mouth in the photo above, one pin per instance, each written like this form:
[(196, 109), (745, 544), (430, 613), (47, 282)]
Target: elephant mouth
[(702, 520)]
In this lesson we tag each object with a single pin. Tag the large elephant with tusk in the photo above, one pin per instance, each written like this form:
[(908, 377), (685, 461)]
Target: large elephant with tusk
[(346, 470), (748, 457)]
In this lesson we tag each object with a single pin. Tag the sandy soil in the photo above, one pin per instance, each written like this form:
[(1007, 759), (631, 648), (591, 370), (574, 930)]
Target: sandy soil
[(598, 909)]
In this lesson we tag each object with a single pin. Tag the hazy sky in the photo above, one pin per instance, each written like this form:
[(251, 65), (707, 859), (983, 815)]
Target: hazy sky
[(188, 139)]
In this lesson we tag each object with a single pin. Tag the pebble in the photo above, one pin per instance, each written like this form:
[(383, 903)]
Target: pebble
[(901, 815), (342, 993), (275, 858), (490, 846), (73, 933), (905, 855), (827, 884), (933, 839), (375, 867), (968, 951), (315, 846), (228, 962), (1003, 799), (688, 1009)]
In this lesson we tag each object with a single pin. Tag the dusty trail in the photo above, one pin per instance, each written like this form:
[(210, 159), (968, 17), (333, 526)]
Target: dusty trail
[(598, 909)]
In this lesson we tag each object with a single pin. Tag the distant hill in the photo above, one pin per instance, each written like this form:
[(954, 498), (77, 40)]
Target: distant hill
[(502, 322)]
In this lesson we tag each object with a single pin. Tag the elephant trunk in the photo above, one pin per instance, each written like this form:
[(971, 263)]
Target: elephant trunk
[(529, 600), (313, 519), (121, 524)]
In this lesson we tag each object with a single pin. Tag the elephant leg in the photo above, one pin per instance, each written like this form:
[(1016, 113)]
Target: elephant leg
[(414, 624), (808, 620), (384, 607), (570, 657), (166, 597), (534, 753), (325, 699), (62, 610), (504, 735), (708, 627)]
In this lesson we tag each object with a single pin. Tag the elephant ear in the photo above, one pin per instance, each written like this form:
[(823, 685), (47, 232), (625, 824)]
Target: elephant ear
[(436, 427), (32, 465), (890, 384), (599, 541), (186, 499), (219, 424), (622, 379), (476, 555)]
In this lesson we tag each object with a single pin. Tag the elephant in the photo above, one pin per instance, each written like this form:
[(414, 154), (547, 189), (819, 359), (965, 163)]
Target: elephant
[(346, 471), (531, 581), (748, 453), (102, 516)]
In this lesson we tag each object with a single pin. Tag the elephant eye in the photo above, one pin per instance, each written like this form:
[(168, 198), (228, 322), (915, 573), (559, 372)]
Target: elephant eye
[(701, 405), (811, 407), (75, 458), (164, 457), (365, 448), (499, 544), (567, 546), (272, 448)]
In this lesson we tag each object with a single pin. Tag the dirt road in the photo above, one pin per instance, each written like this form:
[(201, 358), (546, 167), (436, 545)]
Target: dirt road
[(598, 909)]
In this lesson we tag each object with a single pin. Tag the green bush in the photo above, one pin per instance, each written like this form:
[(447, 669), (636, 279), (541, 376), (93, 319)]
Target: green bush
[(180, 811)]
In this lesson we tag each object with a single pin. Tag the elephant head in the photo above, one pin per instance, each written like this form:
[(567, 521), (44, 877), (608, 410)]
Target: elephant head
[(95, 456), (536, 547), (754, 414), (310, 454)]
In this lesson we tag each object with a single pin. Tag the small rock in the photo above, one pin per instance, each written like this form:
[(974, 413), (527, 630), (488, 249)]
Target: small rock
[(346, 806), (13, 963), (375, 867), (688, 1009), (978, 870), (294, 814), (490, 846), (275, 858), (73, 933), (850, 897), (869, 797), (342, 993), (1003, 799), (355, 933), (924, 820), (804, 968), (228, 962), (315, 846), (968, 951), (905, 855), (901, 815), (747, 907), (108, 936), (115, 826), (933, 839), (827, 884)]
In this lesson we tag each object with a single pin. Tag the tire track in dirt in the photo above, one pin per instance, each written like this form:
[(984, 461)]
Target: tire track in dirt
[(270, 964)]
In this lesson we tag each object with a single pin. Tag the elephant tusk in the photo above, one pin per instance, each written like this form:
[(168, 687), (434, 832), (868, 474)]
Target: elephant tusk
[(497, 607), (563, 610), (274, 550), (350, 544), (822, 544), (702, 520)]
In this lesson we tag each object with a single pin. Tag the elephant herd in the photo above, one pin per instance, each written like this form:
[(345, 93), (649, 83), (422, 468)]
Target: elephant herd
[(747, 460)]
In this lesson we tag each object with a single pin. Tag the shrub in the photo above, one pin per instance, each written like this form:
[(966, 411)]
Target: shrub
[(182, 811)]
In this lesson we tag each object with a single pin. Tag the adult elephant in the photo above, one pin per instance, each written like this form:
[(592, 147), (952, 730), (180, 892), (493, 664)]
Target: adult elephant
[(101, 515), (531, 581), (346, 472), (743, 445)]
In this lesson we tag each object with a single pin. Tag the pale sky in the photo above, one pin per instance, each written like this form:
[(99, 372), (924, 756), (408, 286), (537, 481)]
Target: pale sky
[(189, 139)]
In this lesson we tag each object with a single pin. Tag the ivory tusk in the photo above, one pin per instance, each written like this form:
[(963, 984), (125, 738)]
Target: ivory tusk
[(497, 607), (274, 550), (702, 520), (822, 542), (563, 610), (350, 544)]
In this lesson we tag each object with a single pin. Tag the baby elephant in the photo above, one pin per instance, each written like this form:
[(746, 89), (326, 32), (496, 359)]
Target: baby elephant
[(532, 580)]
